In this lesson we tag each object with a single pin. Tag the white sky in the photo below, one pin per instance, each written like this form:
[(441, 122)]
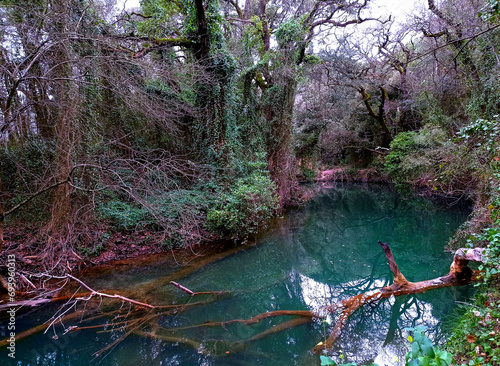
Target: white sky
[(131, 3), (398, 8)]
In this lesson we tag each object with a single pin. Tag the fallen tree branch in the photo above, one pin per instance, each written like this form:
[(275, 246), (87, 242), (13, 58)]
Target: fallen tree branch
[(103, 294), (460, 274), (179, 286)]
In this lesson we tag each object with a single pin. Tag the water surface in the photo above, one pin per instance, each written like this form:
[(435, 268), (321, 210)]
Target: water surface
[(318, 254)]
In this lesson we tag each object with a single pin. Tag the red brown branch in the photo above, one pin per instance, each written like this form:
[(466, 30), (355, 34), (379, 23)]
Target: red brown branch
[(399, 279), (179, 286), (460, 274)]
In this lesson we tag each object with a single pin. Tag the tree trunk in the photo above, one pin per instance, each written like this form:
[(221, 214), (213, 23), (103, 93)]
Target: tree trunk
[(385, 134), (281, 160), (67, 104)]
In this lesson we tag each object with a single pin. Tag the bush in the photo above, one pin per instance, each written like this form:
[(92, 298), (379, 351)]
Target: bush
[(31, 158), (249, 206), (401, 147), (430, 159), (481, 133), (179, 214), (123, 215)]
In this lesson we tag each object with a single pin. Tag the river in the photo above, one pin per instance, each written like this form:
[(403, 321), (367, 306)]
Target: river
[(316, 255)]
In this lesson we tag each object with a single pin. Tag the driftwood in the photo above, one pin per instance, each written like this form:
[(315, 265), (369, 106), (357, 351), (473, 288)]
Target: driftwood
[(460, 274), (192, 293)]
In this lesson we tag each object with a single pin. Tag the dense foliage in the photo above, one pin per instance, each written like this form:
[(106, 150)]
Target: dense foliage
[(193, 119)]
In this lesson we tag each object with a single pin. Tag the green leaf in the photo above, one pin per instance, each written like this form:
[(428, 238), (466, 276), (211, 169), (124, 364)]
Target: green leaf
[(427, 348), (327, 361), (413, 362), (415, 350)]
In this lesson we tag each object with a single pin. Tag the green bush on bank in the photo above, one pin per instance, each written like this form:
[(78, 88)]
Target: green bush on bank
[(413, 155), (179, 214), (122, 215), (248, 206), (458, 166), (20, 162)]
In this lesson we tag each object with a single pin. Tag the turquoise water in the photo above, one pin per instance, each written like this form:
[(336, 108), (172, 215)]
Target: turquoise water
[(318, 254)]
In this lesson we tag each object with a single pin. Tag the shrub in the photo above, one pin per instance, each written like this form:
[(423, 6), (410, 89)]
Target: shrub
[(481, 134), (402, 146), (121, 214), (179, 214), (31, 158), (247, 207), (430, 159)]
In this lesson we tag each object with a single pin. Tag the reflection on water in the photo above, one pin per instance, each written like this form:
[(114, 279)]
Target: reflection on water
[(319, 254)]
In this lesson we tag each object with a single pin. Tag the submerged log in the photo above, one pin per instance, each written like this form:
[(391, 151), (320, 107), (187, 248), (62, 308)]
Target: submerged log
[(459, 274)]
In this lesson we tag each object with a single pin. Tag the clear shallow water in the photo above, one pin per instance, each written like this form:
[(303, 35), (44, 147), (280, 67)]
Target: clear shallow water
[(319, 254)]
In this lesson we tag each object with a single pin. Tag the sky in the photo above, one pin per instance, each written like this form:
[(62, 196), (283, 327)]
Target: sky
[(130, 3), (397, 7)]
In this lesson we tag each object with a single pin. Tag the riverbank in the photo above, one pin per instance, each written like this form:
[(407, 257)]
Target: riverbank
[(348, 174)]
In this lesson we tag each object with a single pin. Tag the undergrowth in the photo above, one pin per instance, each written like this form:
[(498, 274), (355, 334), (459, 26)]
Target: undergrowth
[(451, 166)]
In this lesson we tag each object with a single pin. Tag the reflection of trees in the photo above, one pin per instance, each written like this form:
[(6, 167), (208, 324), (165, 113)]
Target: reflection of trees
[(379, 329)]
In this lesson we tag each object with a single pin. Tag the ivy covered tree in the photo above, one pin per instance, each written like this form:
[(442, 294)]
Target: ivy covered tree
[(277, 38)]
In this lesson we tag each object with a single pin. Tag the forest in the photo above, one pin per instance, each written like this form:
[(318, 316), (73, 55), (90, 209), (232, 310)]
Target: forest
[(185, 122)]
